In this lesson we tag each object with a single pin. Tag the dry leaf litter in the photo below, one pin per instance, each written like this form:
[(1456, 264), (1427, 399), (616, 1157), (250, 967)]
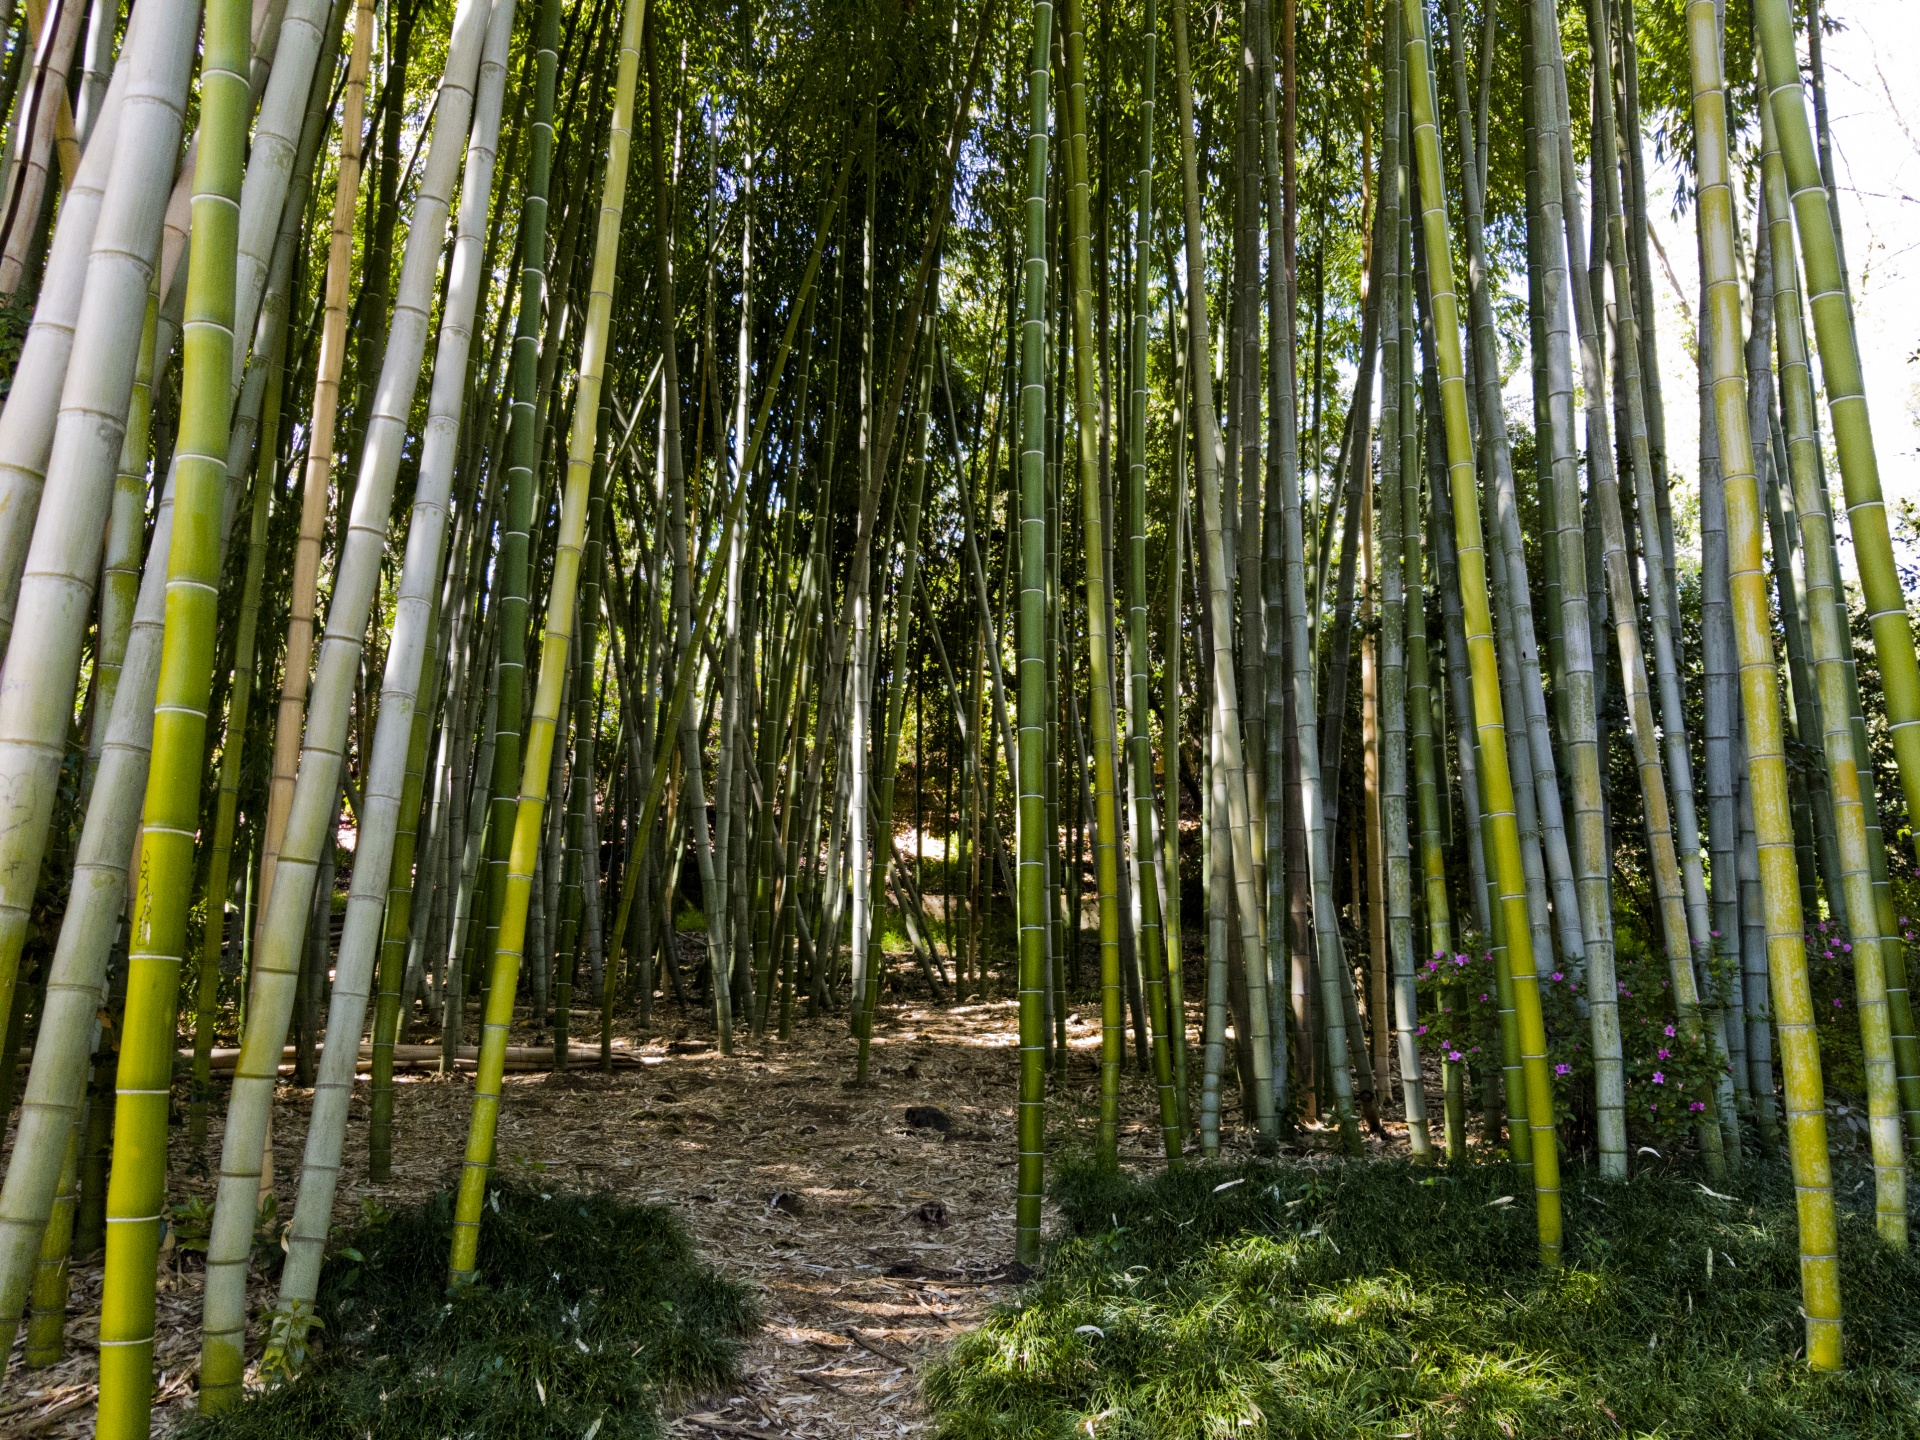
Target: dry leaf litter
[(872, 1240)]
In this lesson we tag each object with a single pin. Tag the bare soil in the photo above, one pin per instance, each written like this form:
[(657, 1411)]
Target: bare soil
[(872, 1241)]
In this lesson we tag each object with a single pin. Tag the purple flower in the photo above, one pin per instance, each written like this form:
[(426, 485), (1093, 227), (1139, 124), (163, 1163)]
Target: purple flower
[(1838, 1003), (1422, 1030), (1669, 1032), (1563, 1069), (1658, 1078), (1664, 1054), (1453, 1055), (1716, 934), (1483, 996), (1697, 1105), (1558, 976), (1847, 948)]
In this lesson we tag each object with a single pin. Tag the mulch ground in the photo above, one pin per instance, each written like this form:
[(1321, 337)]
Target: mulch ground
[(872, 1240)]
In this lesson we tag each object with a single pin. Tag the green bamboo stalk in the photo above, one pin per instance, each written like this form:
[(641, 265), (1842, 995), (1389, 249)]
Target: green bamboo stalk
[(1031, 839), (1396, 521), (46, 1329), (562, 593), (1088, 427), (1535, 766), (401, 922), (1872, 949), (1433, 856), (1832, 311), (137, 1190), (1405, 566), (213, 934), (1172, 722), (1574, 678), (299, 42), (912, 493), (126, 532), (1495, 778), (1154, 952), (511, 579), (586, 704), (1760, 694)]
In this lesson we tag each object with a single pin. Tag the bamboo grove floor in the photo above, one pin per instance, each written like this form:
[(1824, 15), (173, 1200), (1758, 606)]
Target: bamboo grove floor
[(872, 1242)]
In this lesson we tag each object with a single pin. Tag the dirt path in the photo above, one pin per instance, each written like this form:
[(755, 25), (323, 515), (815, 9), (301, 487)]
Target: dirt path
[(872, 1240)]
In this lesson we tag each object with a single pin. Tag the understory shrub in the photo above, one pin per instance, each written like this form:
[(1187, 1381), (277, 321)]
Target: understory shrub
[(586, 1311), (1385, 1300)]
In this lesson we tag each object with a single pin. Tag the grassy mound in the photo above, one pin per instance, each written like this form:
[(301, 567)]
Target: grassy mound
[(586, 1310), (1386, 1301)]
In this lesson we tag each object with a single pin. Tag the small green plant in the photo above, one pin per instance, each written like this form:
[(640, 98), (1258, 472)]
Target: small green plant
[(192, 1222), (287, 1349)]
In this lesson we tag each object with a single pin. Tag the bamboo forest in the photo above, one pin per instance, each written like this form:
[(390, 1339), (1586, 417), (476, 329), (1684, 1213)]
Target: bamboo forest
[(1128, 718)]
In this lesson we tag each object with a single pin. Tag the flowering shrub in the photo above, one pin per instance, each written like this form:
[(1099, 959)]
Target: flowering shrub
[(1670, 1069), (1830, 972)]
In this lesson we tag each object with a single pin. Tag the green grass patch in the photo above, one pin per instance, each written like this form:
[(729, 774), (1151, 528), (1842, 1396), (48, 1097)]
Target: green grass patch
[(586, 1312), (1386, 1301)]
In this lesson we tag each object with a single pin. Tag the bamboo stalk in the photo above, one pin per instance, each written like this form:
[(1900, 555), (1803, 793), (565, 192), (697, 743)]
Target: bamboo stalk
[(1495, 777), (1759, 688), (558, 637), (137, 1188), (284, 912)]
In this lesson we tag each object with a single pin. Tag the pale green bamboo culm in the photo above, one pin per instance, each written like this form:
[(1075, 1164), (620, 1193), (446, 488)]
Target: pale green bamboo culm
[(136, 1192), (407, 646), (1496, 781), (1760, 697), (285, 910), (72, 992), (564, 587), (1873, 948), (33, 402), (54, 601)]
